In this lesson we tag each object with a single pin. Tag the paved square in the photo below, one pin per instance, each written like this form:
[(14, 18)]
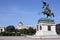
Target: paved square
[(24, 38)]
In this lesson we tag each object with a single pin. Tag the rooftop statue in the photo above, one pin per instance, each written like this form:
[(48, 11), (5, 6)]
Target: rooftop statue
[(46, 10)]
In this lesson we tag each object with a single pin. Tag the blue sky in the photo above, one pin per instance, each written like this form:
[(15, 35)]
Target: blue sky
[(14, 11)]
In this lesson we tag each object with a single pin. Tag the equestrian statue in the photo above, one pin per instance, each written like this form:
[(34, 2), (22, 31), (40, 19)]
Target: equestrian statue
[(46, 10)]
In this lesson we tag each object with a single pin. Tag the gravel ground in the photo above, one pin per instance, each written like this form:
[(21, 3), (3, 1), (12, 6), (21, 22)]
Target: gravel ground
[(24, 38)]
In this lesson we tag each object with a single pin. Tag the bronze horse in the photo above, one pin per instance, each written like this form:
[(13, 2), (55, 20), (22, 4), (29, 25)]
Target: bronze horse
[(46, 10)]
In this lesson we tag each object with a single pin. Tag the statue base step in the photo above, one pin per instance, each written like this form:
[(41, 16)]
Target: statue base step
[(43, 33), (46, 36)]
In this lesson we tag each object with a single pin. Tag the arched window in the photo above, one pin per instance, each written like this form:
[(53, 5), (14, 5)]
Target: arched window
[(40, 28), (1, 30), (49, 28), (37, 27)]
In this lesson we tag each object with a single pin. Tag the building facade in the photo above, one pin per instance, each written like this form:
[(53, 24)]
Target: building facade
[(2, 29), (21, 26)]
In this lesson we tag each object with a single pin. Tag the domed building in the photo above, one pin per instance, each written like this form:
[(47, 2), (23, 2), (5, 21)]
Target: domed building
[(20, 25)]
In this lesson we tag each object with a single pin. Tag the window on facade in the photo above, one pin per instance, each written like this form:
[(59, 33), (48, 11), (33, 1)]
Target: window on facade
[(1, 30), (40, 28), (37, 27), (49, 28)]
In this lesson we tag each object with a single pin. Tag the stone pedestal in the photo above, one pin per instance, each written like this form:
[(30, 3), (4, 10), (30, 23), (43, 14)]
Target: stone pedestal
[(46, 27)]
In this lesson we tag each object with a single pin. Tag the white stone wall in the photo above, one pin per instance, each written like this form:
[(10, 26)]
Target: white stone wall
[(45, 31), (2, 29)]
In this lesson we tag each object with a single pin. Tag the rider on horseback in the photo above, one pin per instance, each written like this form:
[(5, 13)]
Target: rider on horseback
[(46, 10)]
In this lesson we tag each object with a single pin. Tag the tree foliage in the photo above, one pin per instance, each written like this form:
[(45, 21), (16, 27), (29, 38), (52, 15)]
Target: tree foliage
[(10, 28), (31, 31), (11, 31)]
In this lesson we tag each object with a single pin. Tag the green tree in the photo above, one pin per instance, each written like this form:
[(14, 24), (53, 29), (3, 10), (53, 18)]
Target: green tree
[(10, 28), (31, 31), (25, 31)]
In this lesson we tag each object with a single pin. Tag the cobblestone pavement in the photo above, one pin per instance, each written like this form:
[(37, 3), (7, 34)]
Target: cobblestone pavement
[(24, 38)]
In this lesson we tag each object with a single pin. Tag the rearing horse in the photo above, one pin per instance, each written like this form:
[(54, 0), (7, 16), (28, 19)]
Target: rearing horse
[(46, 10)]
